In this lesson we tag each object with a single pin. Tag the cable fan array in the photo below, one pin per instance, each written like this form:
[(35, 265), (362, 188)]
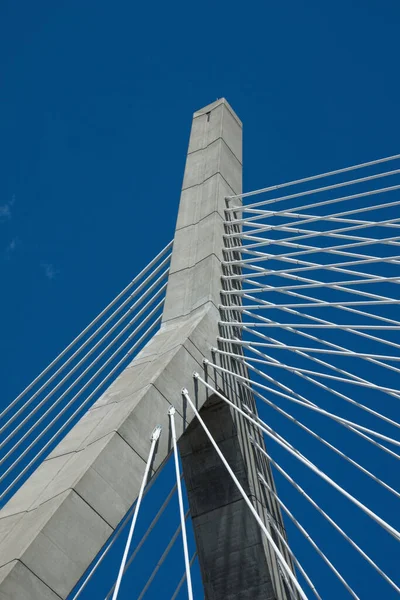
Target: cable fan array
[(309, 324), (47, 409), (309, 329)]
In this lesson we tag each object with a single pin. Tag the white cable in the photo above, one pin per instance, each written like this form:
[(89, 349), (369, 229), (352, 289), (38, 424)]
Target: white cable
[(86, 356), (319, 284), (86, 401), (361, 381), (356, 241), (311, 326), (85, 386), (271, 521), (253, 347), (292, 369), (319, 320), (161, 560), (288, 213), (309, 538), (341, 233), (120, 529), (290, 398), (322, 304), (95, 320), (288, 274), (363, 293), (182, 580), (149, 529), (284, 212), (328, 518), (308, 234), (154, 438), (312, 178), (315, 300), (303, 234), (60, 398), (335, 285), (307, 249), (257, 256), (285, 444), (267, 534), (350, 353), (171, 413), (344, 306), (310, 266), (308, 430), (314, 267), (301, 222), (307, 405)]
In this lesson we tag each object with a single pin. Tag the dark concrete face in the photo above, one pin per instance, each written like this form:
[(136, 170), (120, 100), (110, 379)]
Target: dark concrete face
[(229, 541)]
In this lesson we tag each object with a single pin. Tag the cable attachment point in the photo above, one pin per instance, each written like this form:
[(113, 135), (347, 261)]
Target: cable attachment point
[(171, 410), (195, 376), (156, 433), (184, 392)]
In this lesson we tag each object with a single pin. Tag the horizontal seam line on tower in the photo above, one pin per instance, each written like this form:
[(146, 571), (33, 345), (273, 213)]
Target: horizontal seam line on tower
[(72, 452), (223, 506), (200, 450), (216, 508), (37, 577), (176, 346), (200, 220), (94, 510), (207, 179), (116, 430), (29, 510), (192, 310), (103, 436), (123, 398), (213, 142), (42, 491), (196, 263), (77, 451)]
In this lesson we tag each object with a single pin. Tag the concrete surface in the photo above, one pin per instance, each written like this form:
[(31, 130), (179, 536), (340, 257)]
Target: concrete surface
[(53, 527)]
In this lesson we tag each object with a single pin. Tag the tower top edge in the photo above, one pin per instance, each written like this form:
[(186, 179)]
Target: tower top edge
[(215, 105)]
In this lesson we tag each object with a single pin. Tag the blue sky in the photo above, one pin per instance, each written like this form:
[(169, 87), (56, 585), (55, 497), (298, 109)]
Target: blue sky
[(95, 109)]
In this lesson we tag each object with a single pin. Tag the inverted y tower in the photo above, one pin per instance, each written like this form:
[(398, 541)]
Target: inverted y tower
[(53, 527)]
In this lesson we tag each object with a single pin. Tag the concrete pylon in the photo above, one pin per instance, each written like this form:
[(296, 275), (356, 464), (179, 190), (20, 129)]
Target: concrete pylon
[(57, 522)]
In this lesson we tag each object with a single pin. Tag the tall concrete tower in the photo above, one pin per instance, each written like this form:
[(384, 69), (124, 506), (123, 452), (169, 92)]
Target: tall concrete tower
[(57, 522)]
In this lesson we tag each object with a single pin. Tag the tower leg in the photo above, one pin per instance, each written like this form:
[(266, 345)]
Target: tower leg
[(229, 544)]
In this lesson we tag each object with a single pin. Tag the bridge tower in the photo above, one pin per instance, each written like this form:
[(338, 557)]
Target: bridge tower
[(53, 527)]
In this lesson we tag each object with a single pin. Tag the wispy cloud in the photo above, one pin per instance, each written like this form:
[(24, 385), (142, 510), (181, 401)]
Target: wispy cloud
[(5, 209), (49, 270), (12, 247)]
